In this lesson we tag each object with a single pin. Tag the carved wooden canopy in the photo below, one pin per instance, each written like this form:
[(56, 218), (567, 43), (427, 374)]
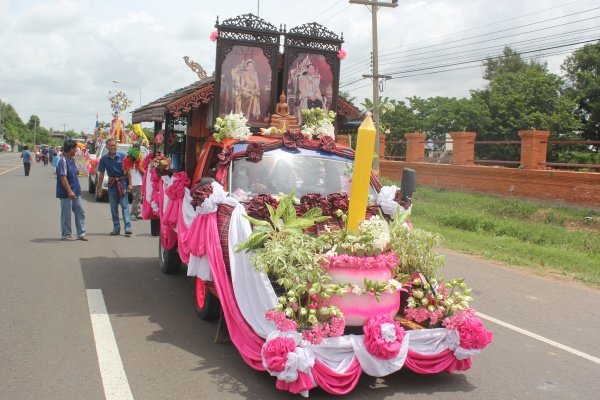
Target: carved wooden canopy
[(192, 100), (346, 109)]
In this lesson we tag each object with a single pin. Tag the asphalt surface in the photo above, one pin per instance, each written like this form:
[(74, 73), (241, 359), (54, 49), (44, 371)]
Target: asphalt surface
[(47, 348)]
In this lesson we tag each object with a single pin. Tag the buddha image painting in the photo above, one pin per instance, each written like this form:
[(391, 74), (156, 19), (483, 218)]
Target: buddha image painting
[(245, 83)]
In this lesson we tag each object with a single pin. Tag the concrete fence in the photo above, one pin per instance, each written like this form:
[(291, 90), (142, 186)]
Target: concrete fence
[(531, 181)]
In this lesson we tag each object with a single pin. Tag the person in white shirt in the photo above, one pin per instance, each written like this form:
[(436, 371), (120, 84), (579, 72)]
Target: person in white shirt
[(135, 174)]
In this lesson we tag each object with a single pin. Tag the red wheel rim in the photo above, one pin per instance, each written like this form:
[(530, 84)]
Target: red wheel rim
[(200, 293)]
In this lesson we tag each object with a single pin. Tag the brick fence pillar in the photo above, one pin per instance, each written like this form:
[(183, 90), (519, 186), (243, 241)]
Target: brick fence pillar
[(463, 148), (534, 147), (415, 147), (381, 146)]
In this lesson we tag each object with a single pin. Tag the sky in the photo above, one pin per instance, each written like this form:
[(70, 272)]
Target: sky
[(59, 58)]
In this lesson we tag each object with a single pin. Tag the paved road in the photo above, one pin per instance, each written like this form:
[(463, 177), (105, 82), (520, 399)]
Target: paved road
[(47, 348)]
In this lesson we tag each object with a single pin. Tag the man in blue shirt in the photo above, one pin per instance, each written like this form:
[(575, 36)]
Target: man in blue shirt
[(69, 193), (112, 165), (26, 156)]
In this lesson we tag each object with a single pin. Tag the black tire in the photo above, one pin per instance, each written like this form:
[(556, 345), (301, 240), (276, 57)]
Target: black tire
[(91, 186), (208, 306), (168, 260), (155, 227)]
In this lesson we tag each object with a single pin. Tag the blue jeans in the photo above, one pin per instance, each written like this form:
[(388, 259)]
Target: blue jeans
[(66, 207), (115, 201)]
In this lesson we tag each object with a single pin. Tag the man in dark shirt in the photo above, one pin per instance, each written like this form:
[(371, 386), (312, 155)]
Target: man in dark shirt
[(26, 156), (69, 193), (112, 165)]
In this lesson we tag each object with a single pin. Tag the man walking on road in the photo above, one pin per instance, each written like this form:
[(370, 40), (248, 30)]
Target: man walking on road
[(112, 164), (69, 193), (26, 156)]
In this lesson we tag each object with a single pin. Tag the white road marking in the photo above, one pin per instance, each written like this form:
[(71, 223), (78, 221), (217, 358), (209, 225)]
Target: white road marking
[(541, 338), (8, 170), (116, 385)]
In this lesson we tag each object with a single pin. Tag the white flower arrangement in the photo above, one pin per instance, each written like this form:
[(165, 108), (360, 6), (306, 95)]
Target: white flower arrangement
[(318, 123), (233, 126)]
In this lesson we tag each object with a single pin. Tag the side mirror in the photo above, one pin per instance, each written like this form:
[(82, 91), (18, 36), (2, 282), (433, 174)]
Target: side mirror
[(409, 183)]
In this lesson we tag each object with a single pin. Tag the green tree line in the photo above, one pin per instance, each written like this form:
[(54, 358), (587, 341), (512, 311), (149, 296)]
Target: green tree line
[(519, 95)]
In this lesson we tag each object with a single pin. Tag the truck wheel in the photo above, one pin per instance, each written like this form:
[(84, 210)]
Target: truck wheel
[(155, 227), (91, 186), (208, 306), (169, 260)]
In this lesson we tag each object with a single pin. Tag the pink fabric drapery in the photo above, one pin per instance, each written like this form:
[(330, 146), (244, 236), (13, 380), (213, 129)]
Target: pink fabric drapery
[(175, 192), (334, 382), (303, 383), (248, 343), (168, 237), (147, 212), (436, 363)]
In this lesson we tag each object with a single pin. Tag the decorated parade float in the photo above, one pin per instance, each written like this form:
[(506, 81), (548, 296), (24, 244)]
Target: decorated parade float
[(310, 264)]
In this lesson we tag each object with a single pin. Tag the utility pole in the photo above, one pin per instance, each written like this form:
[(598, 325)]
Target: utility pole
[(375, 66)]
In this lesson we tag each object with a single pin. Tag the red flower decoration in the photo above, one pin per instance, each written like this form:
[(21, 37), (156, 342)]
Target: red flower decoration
[(327, 144), (214, 35), (398, 198), (254, 152), (226, 155), (342, 54), (338, 201), (257, 206), (200, 193), (315, 200), (293, 140)]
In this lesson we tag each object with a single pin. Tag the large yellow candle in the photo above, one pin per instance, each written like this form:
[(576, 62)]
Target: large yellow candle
[(361, 177)]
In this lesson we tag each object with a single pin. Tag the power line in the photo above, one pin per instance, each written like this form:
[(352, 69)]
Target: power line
[(486, 58), (489, 33), (494, 39), (460, 68)]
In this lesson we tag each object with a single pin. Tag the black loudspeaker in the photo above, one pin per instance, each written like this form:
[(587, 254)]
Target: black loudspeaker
[(409, 183)]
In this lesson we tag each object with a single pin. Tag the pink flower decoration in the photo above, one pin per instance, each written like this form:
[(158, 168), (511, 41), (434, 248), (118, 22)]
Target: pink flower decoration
[(275, 352), (471, 330), (282, 322), (388, 260), (342, 54), (383, 337), (214, 35)]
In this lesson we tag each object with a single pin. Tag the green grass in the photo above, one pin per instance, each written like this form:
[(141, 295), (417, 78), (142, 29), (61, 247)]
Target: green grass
[(544, 238)]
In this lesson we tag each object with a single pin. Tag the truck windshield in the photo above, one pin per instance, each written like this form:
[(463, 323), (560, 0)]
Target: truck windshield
[(283, 173)]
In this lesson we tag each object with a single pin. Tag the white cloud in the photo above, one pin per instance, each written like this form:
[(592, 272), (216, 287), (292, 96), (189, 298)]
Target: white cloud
[(59, 57)]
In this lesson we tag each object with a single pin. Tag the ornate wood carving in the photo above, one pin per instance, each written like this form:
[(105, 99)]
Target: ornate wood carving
[(313, 36), (346, 109), (192, 101), (194, 66), (248, 27)]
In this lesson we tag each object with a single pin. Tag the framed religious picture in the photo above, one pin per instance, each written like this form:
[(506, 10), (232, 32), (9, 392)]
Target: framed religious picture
[(311, 68), (246, 70)]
